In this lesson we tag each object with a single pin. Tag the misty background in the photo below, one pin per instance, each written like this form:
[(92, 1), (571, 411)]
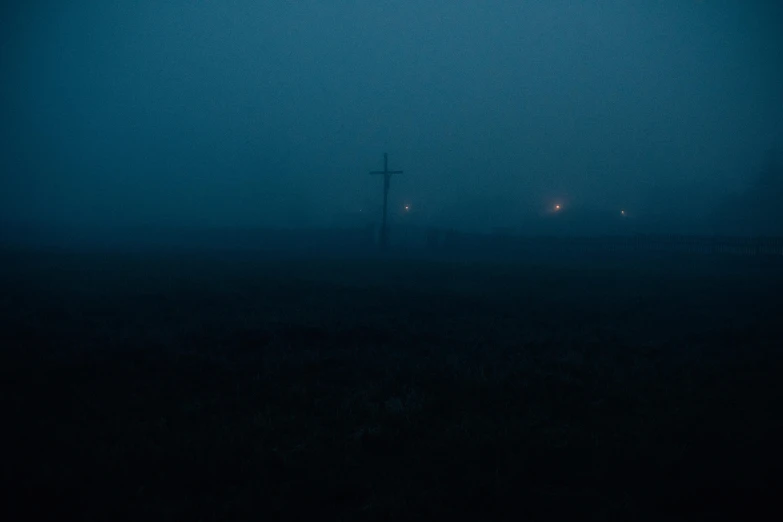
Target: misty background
[(271, 114)]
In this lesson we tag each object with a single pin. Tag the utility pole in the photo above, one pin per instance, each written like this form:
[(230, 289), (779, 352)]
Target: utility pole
[(387, 174)]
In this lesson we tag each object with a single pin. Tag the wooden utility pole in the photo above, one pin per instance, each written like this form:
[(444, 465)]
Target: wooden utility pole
[(386, 178)]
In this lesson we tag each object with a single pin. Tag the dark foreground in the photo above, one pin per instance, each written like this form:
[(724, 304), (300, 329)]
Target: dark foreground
[(205, 387)]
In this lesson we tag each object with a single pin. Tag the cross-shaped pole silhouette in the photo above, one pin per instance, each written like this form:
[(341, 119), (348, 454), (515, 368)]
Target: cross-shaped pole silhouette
[(386, 178)]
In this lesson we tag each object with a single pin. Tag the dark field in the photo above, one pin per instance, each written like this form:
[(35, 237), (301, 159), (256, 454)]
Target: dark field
[(236, 387)]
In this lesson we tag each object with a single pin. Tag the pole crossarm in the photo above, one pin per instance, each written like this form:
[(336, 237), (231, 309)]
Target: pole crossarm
[(387, 174), (386, 167)]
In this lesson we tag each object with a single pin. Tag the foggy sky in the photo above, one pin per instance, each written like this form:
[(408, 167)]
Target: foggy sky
[(272, 113)]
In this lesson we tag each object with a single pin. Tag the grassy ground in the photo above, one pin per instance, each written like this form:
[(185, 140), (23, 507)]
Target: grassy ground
[(205, 387)]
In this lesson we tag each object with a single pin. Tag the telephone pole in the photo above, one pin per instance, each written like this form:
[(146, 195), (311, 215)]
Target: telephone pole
[(387, 174)]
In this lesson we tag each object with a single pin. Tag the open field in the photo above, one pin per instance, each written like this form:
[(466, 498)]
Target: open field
[(204, 386)]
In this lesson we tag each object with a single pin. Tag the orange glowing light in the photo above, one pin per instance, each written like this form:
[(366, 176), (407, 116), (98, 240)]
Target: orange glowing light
[(557, 207)]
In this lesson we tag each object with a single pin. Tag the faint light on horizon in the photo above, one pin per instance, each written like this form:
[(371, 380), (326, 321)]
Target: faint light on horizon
[(557, 207), (622, 212), (407, 208)]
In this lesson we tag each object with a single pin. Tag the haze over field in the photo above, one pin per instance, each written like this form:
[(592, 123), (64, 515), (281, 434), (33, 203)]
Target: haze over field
[(271, 114), (574, 313)]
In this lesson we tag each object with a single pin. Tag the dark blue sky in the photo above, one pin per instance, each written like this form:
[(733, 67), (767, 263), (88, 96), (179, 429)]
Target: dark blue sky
[(240, 112)]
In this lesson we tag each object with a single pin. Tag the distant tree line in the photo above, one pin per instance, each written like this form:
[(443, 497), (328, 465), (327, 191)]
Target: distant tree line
[(758, 210)]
